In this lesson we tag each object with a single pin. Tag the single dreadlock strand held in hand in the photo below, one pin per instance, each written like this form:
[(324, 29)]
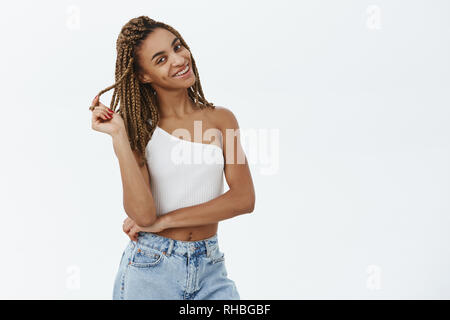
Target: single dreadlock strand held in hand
[(138, 103)]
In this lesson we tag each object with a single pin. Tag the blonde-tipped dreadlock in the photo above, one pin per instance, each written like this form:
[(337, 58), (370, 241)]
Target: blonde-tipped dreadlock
[(138, 103)]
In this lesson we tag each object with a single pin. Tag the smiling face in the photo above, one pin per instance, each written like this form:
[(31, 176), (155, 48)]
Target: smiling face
[(162, 58)]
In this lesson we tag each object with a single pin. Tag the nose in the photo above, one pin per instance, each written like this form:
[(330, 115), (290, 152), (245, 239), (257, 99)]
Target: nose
[(178, 61)]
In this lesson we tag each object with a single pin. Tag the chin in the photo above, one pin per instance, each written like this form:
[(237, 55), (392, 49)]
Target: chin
[(191, 82)]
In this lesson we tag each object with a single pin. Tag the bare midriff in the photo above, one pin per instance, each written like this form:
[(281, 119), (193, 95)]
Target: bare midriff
[(169, 125), (190, 233)]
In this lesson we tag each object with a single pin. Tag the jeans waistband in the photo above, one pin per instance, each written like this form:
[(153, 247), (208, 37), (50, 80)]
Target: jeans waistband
[(171, 246)]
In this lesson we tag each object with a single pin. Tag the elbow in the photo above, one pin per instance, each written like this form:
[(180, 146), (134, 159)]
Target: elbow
[(247, 203), (145, 221), (251, 201), (251, 205)]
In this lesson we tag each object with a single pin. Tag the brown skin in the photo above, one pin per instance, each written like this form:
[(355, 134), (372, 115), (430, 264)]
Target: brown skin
[(201, 221), (190, 233), (173, 99), (178, 111)]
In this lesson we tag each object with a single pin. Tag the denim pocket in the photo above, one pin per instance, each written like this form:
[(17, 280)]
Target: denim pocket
[(144, 257)]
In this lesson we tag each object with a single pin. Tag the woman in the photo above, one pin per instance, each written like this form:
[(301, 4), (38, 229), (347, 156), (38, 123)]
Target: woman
[(173, 202)]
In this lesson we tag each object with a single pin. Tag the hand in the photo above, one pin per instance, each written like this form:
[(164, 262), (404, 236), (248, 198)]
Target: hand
[(132, 229), (105, 120), (158, 226)]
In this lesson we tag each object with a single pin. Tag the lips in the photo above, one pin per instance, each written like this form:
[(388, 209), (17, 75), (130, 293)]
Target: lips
[(181, 69)]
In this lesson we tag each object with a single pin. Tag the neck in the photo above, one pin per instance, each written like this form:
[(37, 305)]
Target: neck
[(175, 104)]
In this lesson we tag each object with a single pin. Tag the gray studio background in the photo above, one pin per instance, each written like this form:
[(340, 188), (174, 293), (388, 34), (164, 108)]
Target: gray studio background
[(355, 95)]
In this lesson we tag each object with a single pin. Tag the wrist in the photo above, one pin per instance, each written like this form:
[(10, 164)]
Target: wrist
[(165, 221), (119, 134)]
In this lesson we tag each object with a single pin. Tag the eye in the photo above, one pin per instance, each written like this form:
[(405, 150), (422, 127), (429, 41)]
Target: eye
[(178, 45)]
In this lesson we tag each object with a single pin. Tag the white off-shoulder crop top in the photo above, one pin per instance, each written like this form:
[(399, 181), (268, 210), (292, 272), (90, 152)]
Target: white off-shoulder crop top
[(183, 173)]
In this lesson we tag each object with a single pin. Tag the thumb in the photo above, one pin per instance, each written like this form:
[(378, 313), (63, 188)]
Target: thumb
[(95, 101)]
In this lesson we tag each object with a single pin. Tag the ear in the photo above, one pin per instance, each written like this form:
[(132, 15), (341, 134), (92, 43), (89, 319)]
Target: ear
[(144, 78)]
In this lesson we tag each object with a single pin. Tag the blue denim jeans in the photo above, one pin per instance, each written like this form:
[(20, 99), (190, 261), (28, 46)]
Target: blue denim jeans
[(160, 268)]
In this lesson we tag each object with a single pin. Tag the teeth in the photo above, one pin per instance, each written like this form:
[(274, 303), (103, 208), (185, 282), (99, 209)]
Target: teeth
[(183, 71)]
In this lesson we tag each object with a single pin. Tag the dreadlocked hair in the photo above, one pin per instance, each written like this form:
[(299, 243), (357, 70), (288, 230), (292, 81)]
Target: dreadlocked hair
[(138, 103)]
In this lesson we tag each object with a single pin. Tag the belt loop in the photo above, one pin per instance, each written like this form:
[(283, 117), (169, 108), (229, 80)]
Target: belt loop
[(208, 250), (169, 251)]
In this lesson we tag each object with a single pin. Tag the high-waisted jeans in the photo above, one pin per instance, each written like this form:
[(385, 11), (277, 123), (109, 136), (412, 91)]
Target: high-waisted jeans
[(160, 268)]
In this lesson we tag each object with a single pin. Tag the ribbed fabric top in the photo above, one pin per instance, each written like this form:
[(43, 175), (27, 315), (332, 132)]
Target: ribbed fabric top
[(183, 173)]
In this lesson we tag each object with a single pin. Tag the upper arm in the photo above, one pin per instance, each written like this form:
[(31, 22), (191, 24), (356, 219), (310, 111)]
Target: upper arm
[(237, 172), (143, 169)]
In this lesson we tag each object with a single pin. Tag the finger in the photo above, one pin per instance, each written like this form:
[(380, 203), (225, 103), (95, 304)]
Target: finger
[(128, 221), (133, 236), (108, 111), (95, 101), (104, 109), (106, 114), (102, 114), (134, 232), (95, 115), (96, 112), (128, 225), (126, 228)]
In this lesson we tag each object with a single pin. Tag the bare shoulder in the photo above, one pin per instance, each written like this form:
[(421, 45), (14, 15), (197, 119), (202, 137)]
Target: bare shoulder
[(224, 118)]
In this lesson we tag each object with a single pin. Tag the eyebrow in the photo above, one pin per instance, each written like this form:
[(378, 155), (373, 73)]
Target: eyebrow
[(162, 52)]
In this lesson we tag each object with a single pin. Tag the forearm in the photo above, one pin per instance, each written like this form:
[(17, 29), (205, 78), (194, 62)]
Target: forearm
[(228, 205), (137, 197)]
